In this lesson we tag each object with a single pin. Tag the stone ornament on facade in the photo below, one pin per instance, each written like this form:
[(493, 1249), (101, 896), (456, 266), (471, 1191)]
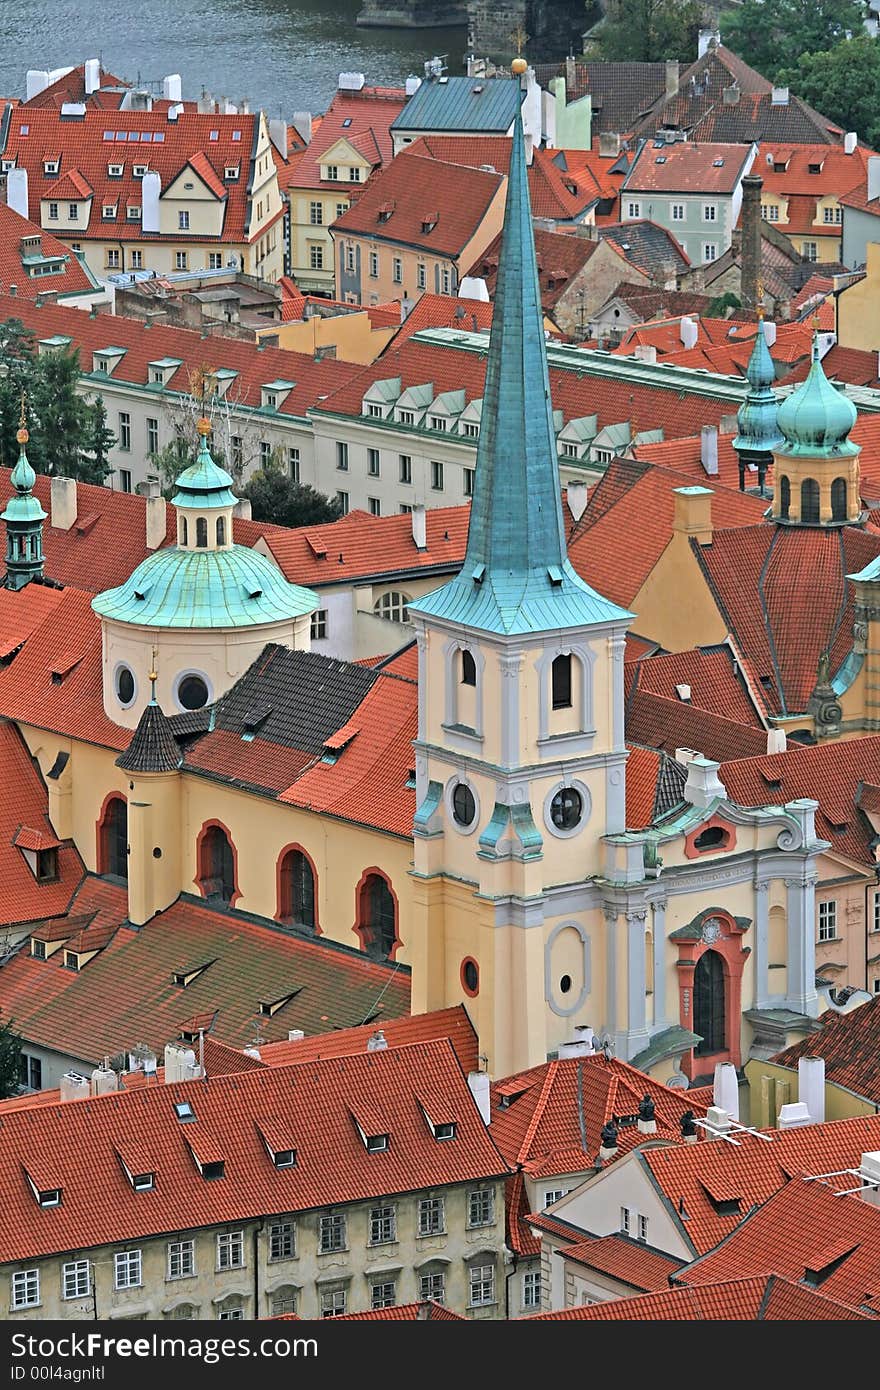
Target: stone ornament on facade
[(711, 930)]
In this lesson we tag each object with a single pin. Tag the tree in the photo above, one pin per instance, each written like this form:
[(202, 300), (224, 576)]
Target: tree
[(274, 496), (647, 31), (97, 443), (17, 363), (772, 34), (10, 1059), (59, 417), (844, 84)]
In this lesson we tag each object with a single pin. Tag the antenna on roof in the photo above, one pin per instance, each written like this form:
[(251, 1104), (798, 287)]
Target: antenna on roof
[(716, 1132)]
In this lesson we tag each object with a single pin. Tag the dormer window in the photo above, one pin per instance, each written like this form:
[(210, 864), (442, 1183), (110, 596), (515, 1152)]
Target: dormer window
[(284, 1158), (211, 1171), (71, 960), (354, 174), (385, 212), (377, 1143), (115, 171), (108, 211), (133, 212), (47, 865), (445, 1131), (230, 173), (138, 170), (374, 410), (38, 949), (442, 1130), (331, 173), (50, 1197), (406, 417), (50, 166), (143, 1182)]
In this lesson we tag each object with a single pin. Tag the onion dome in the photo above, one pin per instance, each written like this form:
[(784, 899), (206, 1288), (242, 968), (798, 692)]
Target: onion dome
[(204, 484), (758, 425), (24, 506), (817, 418)]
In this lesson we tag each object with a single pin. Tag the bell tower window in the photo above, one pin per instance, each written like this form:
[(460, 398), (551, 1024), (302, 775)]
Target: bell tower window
[(561, 682), (566, 808), (784, 497), (810, 501), (221, 530), (184, 531), (468, 668), (201, 532), (464, 807)]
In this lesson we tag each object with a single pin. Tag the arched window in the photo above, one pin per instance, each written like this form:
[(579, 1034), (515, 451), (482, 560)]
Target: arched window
[(184, 531), (113, 838), (221, 530), (377, 916), (201, 532), (296, 890), (810, 501), (468, 668), (784, 497), (561, 682), (713, 837), (216, 865), (393, 607), (838, 499), (709, 1019)]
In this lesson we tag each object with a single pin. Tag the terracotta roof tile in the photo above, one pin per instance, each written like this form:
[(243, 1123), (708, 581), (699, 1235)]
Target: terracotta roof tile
[(452, 1023), (359, 545), (74, 279), (554, 192), (369, 112), (560, 259), (642, 772), (848, 1043), (686, 167), (25, 824), (630, 1261), (761, 1298)]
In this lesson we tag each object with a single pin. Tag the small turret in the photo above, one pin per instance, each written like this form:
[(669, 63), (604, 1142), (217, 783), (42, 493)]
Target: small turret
[(817, 465), (758, 429), (24, 519)]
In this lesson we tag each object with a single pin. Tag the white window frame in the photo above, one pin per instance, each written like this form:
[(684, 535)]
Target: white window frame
[(383, 1224), (181, 1259), (531, 1289), (642, 1227), (481, 1286), (634, 210), (334, 1303), (710, 252), (383, 1299), (710, 212), (25, 1289), (332, 1232), (625, 1220), (72, 1274), (283, 1233), (318, 625), (677, 212), (481, 1199), (230, 1250), (433, 1286), (827, 915), (431, 1211), (127, 1263)]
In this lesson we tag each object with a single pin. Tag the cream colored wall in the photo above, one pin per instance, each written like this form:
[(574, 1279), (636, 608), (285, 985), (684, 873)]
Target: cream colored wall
[(64, 225), (161, 256), (189, 193), (771, 1085), (858, 325), (356, 1267), (352, 335), (595, 1206), (674, 605)]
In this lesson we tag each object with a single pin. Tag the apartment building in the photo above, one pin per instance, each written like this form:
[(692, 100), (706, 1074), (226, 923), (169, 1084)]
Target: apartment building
[(693, 190), (802, 189)]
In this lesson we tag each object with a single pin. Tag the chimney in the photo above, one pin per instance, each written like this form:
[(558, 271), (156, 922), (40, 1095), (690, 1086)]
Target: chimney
[(779, 96), (750, 254), (62, 492), (92, 75), (571, 75), (671, 76), (155, 522), (419, 526), (251, 1052), (172, 87), (869, 1169), (13, 290), (725, 1089), (243, 508), (576, 498), (302, 124), (278, 135), (693, 513), (646, 352), (17, 190), (608, 1146), (688, 331), (709, 450), (104, 1080), (180, 1063), (703, 784), (688, 1128), (770, 332), (151, 187), (36, 81), (731, 94), (776, 741), (295, 1034), (478, 1081), (850, 142), (706, 39), (609, 145), (376, 1042), (647, 1123), (74, 1086), (793, 1116), (585, 1044), (811, 1087), (719, 1120), (873, 177)]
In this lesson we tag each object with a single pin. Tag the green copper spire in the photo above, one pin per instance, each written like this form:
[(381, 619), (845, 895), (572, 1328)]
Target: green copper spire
[(758, 433), (24, 519), (516, 575), (204, 484), (817, 418)]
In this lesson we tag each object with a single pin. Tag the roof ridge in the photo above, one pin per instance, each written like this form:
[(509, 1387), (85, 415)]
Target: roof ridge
[(538, 1112)]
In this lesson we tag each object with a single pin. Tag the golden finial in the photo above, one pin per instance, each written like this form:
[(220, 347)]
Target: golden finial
[(152, 674), (761, 301), (22, 436), (519, 37), (203, 425)]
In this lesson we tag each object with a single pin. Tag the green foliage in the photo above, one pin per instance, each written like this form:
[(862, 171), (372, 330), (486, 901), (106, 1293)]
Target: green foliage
[(771, 35), (10, 1057), (844, 84), (99, 440), (274, 496), (719, 307), (648, 31)]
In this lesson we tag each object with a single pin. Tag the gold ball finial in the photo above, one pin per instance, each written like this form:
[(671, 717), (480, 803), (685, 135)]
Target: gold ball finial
[(203, 425), (22, 436), (518, 66)]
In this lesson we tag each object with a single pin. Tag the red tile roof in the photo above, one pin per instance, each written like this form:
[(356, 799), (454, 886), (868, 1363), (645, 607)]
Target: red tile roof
[(406, 1312), (838, 173), (74, 279), (452, 1023), (560, 259), (370, 113), (751, 1170), (126, 993), (434, 206), (627, 1260), (25, 824), (315, 1100), (555, 193), (669, 724), (71, 86), (686, 167), (852, 365), (86, 154), (760, 1299), (790, 1234), (359, 545), (714, 682), (642, 770), (849, 1043)]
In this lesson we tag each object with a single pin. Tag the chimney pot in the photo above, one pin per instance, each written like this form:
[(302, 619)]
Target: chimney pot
[(709, 449), (156, 522), (295, 1034), (811, 1086), (693, 512), (63, 504), (419, 526), (703, 784), (478, 1081)]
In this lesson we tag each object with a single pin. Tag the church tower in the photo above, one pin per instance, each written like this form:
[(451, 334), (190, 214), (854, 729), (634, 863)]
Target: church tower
[(817, 464), (758, 431), (24, 519), (520, 752)]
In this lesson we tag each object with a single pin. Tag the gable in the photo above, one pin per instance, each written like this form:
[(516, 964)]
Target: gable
[(342, 151), (190, 184)]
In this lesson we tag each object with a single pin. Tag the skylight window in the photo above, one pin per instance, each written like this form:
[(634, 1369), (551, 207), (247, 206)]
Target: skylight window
[(24, 130), (214, 135), (284, 1158), (183, 1110), (347, 122), (236, 135), (717, 163)]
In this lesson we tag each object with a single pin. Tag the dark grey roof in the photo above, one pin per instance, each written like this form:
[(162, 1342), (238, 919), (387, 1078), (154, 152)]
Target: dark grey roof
[(191, 721), (297, 699), (646, 245), (620, 93), (153, 747), (670, 786)]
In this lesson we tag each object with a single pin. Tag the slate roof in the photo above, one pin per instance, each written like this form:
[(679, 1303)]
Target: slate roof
[(648, 246), (619, 92), (24, 822), (467, 104), (153, 747), (126, 993), (849, 1045), (315, 1103), (804, 1231), (763, 1298)]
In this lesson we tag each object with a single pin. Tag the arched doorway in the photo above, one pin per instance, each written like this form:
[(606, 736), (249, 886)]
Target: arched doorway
[(709, 1020), (377, 916), (216, 865), (296, 890), (113, 838)]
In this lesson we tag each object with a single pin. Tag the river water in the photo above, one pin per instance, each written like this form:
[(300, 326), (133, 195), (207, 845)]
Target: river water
[(282, 55)]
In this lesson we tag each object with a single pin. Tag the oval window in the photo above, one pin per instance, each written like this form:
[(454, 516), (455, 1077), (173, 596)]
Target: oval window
[(124, 685), (464, 807), (470, 976), (566, 808), (192, 693), (565, 984)]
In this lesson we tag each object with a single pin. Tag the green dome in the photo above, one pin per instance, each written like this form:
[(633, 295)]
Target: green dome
[(817, 418), (24, 507), (179, 588), (204, 484), (756, 418)]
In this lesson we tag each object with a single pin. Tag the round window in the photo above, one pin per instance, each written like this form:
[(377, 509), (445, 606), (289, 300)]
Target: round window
[(464, 808), (566, 808), (125, 686), (192, 693)]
